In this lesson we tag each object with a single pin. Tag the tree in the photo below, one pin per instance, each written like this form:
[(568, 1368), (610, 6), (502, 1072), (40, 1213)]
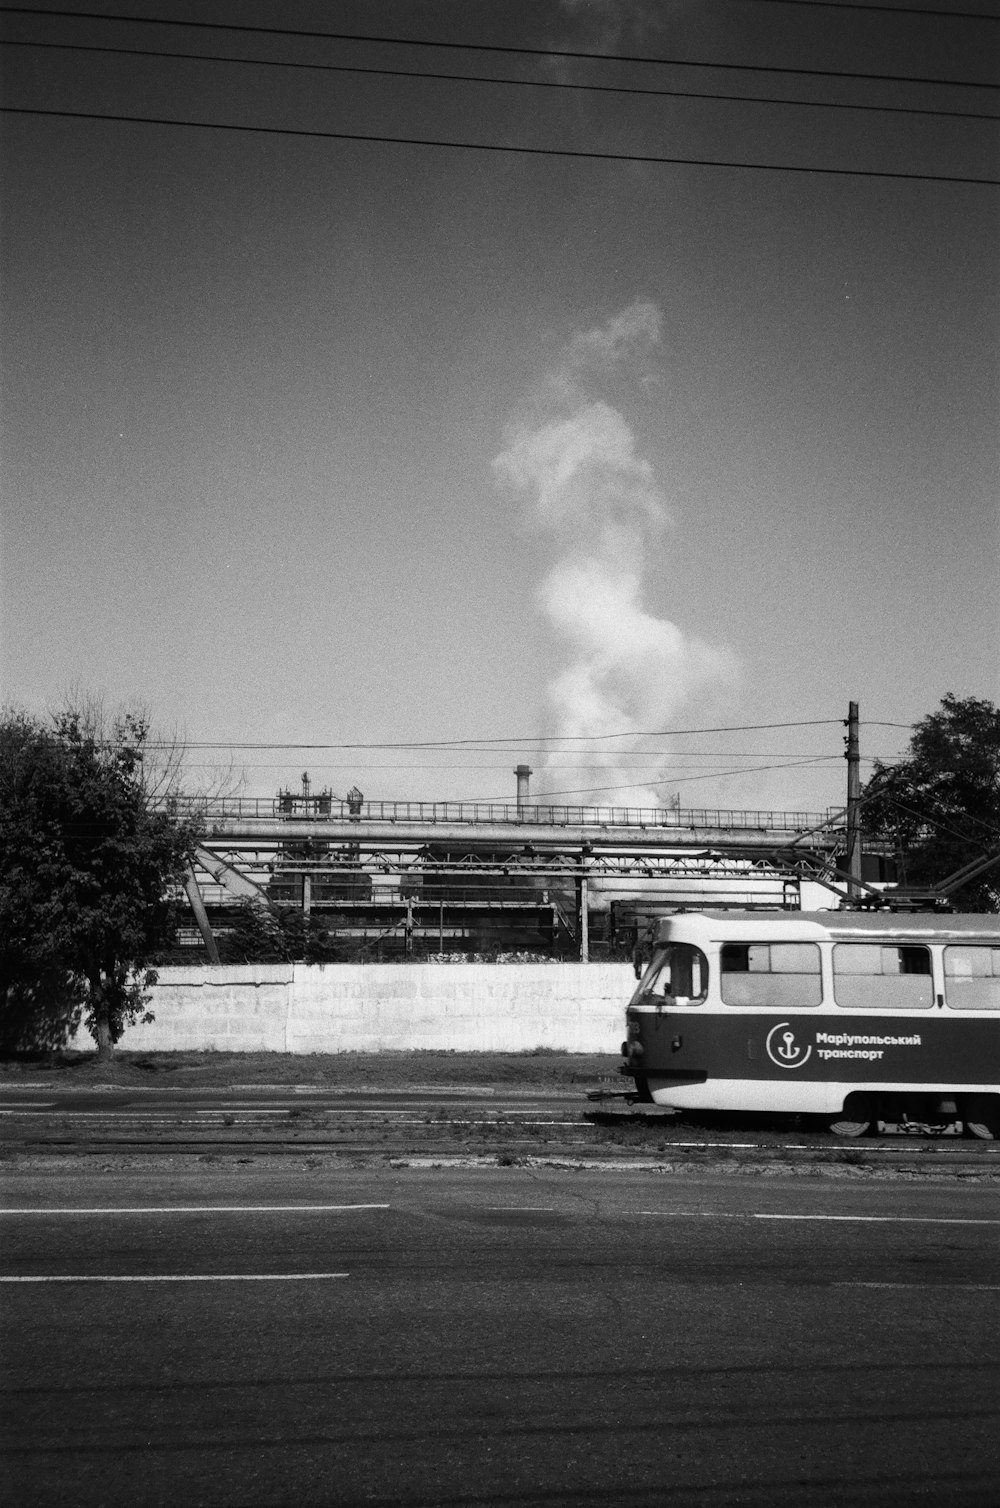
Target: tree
[(277, 934), (87, 857), (940, 805), (41, 999)]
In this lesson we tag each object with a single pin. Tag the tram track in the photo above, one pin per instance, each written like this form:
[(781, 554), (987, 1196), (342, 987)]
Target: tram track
[(499, 1135)]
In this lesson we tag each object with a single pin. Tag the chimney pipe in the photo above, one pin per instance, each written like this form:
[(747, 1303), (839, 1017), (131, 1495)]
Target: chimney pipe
[(523, 774)]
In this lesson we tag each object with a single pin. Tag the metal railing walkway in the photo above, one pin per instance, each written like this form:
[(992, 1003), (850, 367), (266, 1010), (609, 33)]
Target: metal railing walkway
[(482, 813)]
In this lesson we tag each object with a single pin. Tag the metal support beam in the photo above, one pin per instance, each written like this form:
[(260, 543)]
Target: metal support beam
[(229, 876), (200, 915), (853, 864)]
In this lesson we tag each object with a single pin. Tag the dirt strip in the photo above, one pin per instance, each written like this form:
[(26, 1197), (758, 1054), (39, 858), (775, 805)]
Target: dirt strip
[(551, 1071)]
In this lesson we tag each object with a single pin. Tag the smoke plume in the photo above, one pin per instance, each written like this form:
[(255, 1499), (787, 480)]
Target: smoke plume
[(597, 503)]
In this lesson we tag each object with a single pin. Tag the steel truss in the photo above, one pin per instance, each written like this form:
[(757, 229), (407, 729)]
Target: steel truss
[(383, 859)]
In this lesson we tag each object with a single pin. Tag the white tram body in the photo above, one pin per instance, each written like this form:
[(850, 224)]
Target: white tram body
[(854, 1016)]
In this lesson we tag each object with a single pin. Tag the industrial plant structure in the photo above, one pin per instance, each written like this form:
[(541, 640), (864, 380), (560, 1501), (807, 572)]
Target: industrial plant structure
[(381, 879)]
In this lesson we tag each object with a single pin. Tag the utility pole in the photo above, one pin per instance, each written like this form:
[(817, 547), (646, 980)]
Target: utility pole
[(853, 865)]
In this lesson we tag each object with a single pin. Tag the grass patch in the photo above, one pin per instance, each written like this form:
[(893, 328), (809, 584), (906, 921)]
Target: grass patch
[(539, 1068)]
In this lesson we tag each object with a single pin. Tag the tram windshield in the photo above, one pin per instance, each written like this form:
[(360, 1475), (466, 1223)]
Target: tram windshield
[(677, 972)]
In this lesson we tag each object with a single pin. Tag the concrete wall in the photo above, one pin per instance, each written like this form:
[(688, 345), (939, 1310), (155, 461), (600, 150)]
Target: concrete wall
[(375, 1007)]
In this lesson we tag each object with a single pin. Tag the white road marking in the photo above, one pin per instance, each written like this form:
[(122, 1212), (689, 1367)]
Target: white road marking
[(183, 1277), (520, 1209), (965, 1287), (400, 1117), (868, 1219), (121, 1117), (888, 1219), (244, 1109), (157, 1113), (198, 1209)]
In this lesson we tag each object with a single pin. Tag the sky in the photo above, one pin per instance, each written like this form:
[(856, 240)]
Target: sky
[(405, 463)]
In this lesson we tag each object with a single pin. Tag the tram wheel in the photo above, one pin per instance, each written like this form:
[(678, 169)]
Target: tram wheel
[(842, 1126), (981, 1117)]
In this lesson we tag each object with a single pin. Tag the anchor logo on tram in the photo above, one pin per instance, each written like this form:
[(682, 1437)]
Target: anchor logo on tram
[(783, 1049)]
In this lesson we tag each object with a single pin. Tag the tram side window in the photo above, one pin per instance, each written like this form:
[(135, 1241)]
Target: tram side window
[(680, 972), (879, 976), (972, 978), (773, 974)]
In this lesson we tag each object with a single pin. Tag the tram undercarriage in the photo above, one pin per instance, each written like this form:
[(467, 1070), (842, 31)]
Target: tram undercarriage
[(863, 1112)]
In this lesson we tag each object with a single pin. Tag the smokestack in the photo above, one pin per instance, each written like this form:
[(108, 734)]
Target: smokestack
[(523, 774)]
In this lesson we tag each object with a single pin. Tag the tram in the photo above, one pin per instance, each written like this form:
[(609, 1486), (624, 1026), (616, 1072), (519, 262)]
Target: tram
[(860, 1018)]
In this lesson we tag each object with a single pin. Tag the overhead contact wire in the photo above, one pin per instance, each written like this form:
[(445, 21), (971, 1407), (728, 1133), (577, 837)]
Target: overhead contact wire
[(488, 47), (479, 78)]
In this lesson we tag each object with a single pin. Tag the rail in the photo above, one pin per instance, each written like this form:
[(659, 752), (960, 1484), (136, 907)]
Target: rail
[(473, 813)]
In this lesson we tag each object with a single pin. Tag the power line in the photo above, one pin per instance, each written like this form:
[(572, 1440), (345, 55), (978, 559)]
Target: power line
[(887, 10), (372, 770), (927, 820), (536, 52), (630, 760), (479, 78), (681, 780), (494, 147), (651, 763), (513, 738)]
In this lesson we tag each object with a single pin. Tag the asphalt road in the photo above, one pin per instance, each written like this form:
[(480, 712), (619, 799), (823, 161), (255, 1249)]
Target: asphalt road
[(274, 1336)]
